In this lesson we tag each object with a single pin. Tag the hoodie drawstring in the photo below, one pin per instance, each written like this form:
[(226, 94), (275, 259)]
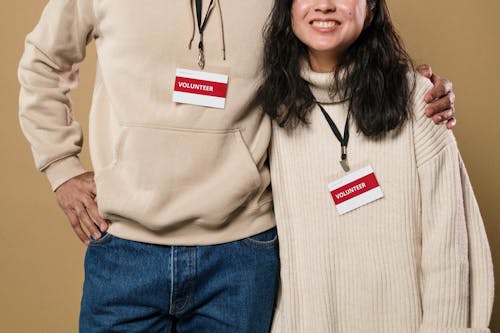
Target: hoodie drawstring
[(223, 37), (192, 24), (201, 28)]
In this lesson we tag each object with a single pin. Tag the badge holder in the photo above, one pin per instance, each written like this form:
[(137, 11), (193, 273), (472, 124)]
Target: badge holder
[(356, 188)]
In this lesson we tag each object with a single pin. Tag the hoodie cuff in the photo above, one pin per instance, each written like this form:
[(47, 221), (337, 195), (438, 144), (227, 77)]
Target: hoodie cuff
[(63, 170)]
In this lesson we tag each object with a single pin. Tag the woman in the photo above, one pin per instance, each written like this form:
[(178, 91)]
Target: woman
[(391, 238)]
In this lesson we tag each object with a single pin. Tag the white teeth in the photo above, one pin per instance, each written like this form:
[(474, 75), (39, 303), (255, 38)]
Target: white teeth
[(324, 24)]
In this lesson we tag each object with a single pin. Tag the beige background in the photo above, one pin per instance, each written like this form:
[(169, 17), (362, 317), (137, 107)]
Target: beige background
[(42, 261)]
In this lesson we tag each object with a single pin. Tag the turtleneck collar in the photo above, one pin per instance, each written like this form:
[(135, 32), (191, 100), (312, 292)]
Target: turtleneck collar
[(319, 83)]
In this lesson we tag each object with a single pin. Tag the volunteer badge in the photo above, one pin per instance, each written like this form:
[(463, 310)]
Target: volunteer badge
[(354, 190), (200, 88)]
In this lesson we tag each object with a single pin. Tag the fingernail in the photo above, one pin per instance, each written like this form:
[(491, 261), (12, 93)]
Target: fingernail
[(439, 118), (97, 235)]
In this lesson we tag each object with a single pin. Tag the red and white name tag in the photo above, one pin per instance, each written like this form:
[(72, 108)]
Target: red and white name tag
[(354, 190), (200, 88)]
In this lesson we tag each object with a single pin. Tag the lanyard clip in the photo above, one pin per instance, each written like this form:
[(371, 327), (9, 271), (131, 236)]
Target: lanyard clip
[(343, 162), (201, 56), (345, 165), (344, 152)]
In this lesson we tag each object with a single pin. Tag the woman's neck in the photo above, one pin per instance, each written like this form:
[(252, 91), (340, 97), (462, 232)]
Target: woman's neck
[(322, 62)]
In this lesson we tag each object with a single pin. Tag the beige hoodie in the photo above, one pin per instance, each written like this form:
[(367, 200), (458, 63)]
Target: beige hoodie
[(166, 173)]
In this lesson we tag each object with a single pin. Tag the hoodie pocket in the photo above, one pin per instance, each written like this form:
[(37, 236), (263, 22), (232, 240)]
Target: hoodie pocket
[(166, 177)]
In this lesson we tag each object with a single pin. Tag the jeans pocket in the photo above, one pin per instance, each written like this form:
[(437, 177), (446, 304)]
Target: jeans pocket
[(266, 240), (105, 238)]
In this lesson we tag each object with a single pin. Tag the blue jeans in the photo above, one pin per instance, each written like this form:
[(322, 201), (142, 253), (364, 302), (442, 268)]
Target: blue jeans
[(137, 287)]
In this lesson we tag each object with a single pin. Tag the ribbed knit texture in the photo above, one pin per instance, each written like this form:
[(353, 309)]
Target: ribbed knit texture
[(417, 260)]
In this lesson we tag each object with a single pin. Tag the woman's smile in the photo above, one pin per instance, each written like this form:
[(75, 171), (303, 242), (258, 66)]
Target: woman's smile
[(323, 25)]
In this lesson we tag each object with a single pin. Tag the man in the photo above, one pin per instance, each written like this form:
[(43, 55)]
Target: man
[(179, 209)]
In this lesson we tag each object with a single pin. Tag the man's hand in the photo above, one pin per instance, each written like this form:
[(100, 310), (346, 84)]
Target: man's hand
[(440, 99), (76, 198)]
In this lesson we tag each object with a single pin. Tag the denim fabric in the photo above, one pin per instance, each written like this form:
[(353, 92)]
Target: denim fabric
[(138, 287)]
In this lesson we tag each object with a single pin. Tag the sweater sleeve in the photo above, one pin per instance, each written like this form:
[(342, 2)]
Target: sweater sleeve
[(456, 266), (47, 74)]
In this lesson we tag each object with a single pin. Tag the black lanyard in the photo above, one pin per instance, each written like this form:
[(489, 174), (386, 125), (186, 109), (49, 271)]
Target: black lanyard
[(344, 140), (201, 28)]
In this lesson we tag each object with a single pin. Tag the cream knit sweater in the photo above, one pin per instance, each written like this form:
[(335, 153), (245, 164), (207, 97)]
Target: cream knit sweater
[(417, 260)]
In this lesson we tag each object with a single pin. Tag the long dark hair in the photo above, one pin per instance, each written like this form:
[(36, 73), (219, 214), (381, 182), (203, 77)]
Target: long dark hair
[(372, 77)]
